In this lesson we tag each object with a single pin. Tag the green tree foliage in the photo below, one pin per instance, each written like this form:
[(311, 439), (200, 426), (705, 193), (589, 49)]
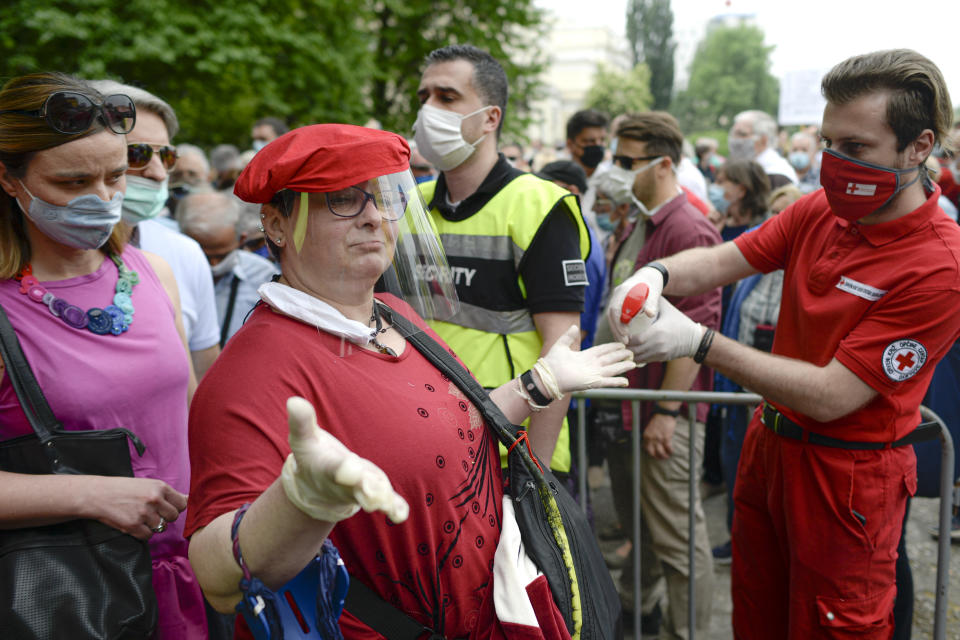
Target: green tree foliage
[(223, 65), (650, 32), (405, 31), (730, 73), (615, 92)]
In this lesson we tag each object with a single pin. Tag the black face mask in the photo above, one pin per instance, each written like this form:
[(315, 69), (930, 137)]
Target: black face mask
[(592, 155)]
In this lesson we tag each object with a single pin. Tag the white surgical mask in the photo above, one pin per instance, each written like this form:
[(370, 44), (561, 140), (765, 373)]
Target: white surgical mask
[(83, 223), (226, 265), (439, 138), (144, 199), (622, 184), (741, 148)]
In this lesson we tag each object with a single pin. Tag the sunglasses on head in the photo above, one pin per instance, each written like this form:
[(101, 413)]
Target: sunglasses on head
[(140, 153), (70, 112)]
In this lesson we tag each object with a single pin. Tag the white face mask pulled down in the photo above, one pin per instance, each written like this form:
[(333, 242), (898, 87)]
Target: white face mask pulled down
[(623, 181), (439, 138)]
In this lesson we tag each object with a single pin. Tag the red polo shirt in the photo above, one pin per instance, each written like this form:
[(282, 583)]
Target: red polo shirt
[(883, 299)]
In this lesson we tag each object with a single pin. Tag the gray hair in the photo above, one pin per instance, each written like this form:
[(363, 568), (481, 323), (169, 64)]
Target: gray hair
[(204, 210), (191, 149), (249, 222), (143, 100), (223, 156), (763, 125)]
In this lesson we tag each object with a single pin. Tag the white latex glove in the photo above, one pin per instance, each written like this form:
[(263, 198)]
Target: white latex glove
[(653, 279), (672, 335), (327, 481), (592, 368)]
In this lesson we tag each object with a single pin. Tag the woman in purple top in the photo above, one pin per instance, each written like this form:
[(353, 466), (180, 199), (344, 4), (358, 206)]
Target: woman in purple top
[(99, 323)]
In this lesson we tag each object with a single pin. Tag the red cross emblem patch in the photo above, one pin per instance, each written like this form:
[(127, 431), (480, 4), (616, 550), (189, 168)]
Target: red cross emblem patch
[(903, 358)]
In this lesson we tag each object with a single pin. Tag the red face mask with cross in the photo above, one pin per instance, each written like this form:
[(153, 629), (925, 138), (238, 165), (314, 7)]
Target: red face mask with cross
[(855, 189)]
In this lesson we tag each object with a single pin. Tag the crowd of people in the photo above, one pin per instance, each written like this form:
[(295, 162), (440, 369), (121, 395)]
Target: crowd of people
[(251, 341)]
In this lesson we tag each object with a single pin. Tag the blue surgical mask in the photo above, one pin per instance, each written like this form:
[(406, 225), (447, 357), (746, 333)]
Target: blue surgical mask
[(605, 223), (145, 199), (715, 193), (259, 144), (83, 223), (799, 160)]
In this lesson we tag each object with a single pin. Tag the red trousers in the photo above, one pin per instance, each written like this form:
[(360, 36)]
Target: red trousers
[(815, 534)]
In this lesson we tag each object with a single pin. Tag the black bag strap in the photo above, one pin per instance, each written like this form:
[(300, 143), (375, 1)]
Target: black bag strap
[(28, 391), (365, 605), (507, 432), (446, 363), (228, 316), (362, 602)]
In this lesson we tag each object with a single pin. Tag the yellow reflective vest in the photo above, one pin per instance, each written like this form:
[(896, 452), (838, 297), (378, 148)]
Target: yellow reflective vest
[(494, 333)]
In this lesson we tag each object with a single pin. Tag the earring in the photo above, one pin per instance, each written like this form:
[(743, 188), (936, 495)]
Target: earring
[(278, 242)]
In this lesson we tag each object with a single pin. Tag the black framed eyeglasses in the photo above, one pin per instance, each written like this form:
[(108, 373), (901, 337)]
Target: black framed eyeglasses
[(629, 162), (140, 153), (349, 202), (70, 112)]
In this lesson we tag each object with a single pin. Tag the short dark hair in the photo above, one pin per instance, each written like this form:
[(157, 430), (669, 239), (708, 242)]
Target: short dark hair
[(918, 94), (584, 119), (659, 130), (565, 171), (751, 176), (489, 78), (279, 126)]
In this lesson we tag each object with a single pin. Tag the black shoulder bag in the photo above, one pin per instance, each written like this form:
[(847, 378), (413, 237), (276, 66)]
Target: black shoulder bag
[(553, 527), (81, 578)]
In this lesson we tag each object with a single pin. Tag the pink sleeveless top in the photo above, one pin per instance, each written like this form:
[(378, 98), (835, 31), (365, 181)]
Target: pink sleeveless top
[(137, 380)]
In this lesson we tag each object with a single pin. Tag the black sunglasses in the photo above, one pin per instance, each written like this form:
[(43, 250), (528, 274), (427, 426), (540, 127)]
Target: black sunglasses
[(629, 162), (70, 112), (140, 153)]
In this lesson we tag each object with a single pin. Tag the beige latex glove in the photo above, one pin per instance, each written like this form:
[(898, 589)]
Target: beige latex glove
[(327, 481), (672, 335), (592, 368), (654, 280)]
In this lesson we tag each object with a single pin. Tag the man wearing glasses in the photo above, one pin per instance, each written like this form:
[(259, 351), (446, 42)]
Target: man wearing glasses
[(645, 171), (151, 158)]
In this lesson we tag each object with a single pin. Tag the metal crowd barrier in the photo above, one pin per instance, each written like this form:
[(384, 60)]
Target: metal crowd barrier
[(691, 398)]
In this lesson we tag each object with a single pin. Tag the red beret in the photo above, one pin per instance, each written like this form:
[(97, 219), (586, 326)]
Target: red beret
[(320, 158)]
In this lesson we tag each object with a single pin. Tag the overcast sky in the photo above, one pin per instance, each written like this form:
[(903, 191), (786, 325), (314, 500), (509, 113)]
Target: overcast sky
[(811, 34)]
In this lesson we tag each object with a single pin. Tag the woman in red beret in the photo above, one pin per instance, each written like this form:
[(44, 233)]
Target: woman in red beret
[(389, 433)]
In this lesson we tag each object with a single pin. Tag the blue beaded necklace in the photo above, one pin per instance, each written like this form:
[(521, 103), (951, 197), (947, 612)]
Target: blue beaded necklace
[(115, 318)]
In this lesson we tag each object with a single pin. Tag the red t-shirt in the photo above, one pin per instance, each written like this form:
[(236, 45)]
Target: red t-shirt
[(881, 298), (402, 414)]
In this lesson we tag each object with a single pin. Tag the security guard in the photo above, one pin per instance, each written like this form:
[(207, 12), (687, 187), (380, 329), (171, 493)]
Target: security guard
[(516, 244)]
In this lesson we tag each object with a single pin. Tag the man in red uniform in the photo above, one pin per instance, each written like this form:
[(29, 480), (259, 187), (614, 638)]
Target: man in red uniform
[(870, 294)]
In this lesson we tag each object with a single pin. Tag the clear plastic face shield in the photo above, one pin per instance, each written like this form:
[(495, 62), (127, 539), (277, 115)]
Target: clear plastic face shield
[(419, 273)]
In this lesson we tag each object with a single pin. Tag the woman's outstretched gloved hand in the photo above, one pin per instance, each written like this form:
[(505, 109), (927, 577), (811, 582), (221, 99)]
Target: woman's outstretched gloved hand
[(326, 480)]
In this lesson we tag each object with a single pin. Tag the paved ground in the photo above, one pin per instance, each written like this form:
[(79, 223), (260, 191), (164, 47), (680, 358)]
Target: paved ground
[(921, 548)]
